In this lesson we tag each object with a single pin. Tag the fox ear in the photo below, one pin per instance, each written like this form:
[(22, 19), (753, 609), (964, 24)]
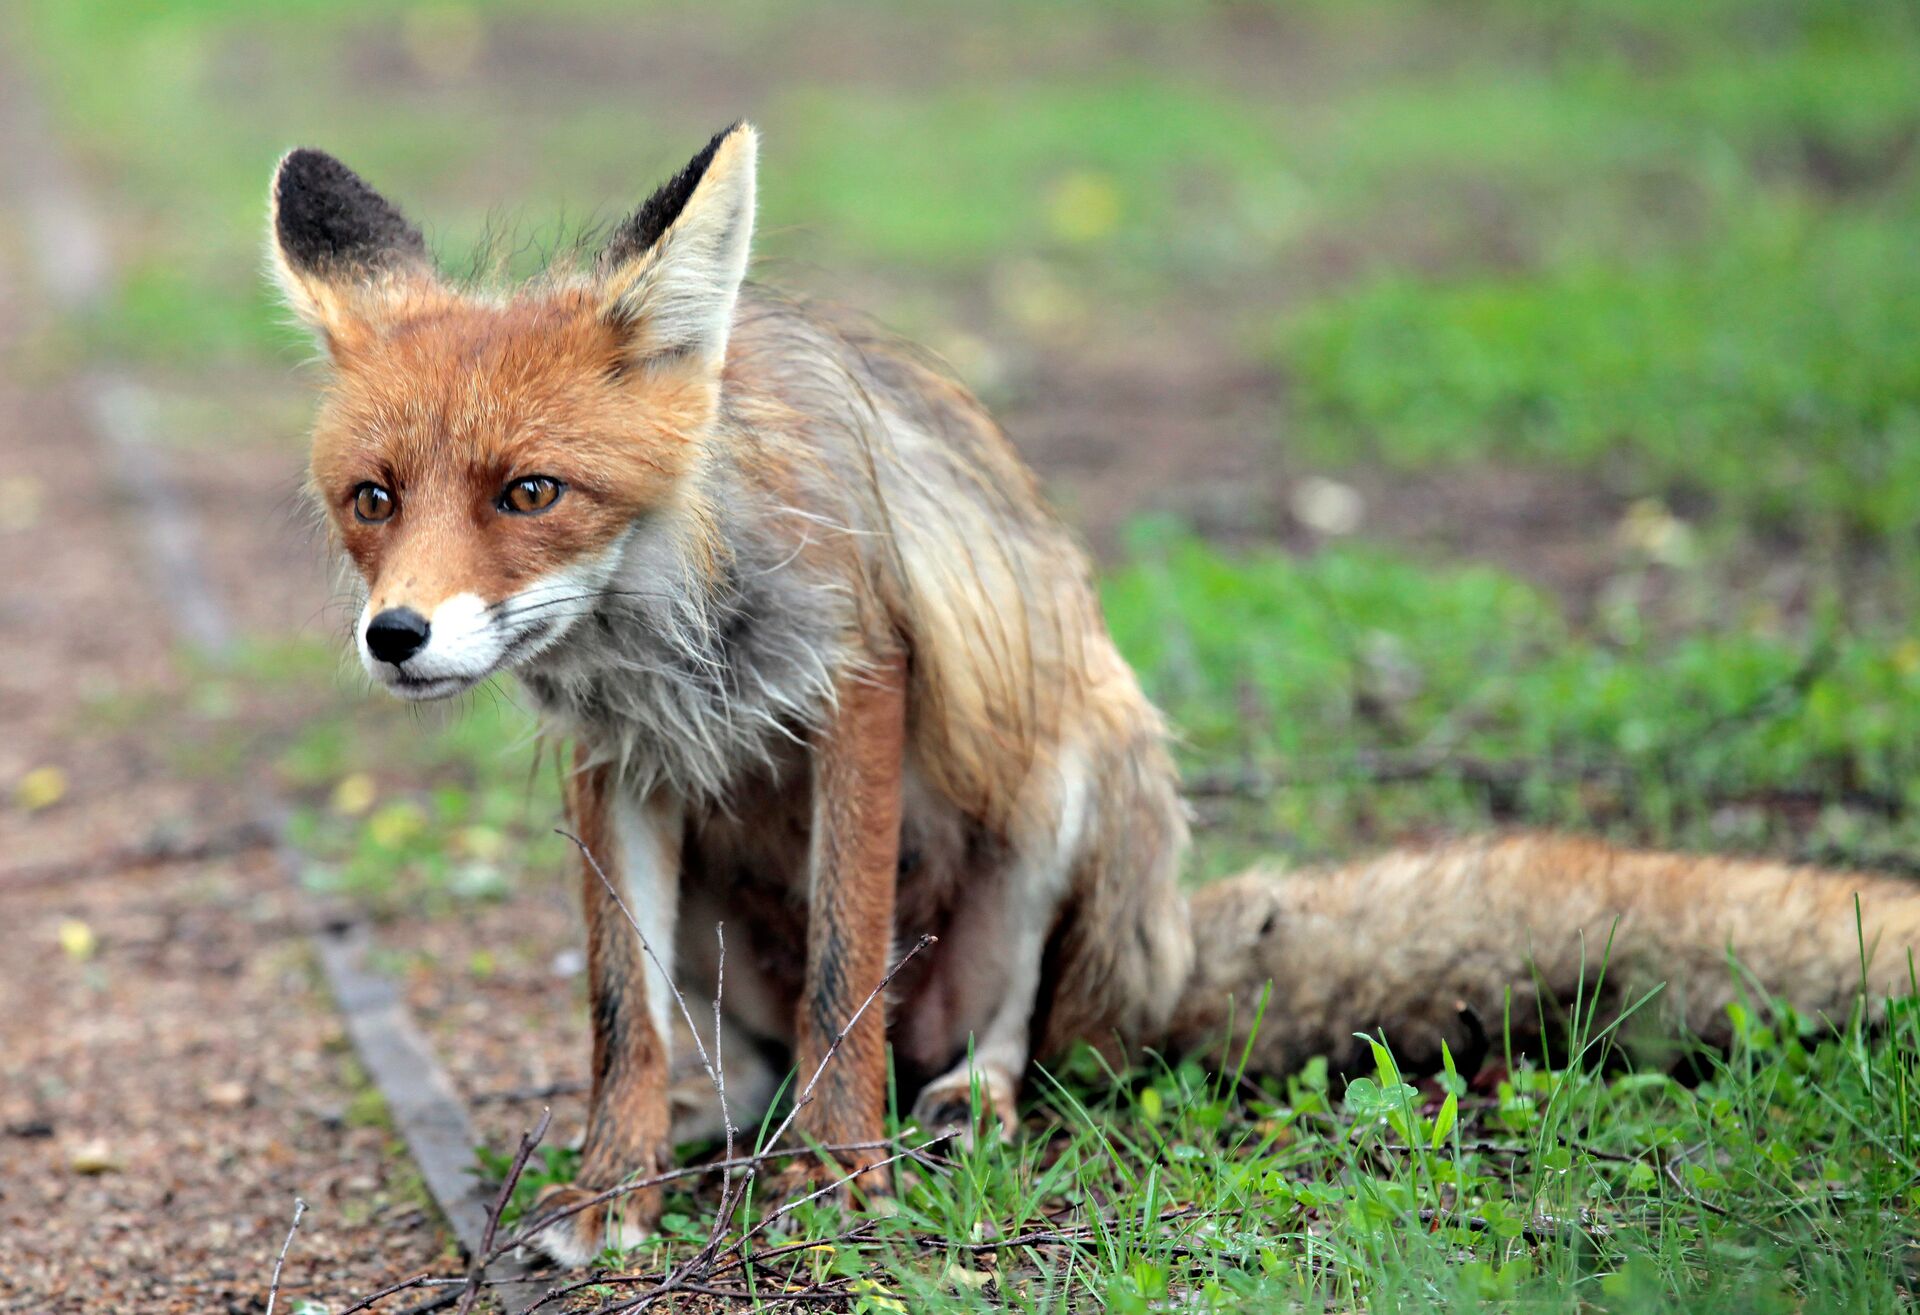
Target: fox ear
[(341, 252), (671, 273)]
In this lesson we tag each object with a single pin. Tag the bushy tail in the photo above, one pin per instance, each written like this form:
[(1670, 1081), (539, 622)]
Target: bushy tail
[(1431, 945)]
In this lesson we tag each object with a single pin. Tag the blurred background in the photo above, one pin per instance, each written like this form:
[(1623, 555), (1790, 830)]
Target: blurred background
[(1484, 412)]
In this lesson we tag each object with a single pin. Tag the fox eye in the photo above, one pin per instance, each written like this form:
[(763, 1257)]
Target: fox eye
[(535, 493), (372, 504)]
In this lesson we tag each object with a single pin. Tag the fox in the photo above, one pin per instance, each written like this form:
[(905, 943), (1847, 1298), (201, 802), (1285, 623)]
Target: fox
[(836, 680)]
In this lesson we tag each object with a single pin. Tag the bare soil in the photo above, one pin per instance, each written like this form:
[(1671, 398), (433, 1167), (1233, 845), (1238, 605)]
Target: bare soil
[(171, 1077)]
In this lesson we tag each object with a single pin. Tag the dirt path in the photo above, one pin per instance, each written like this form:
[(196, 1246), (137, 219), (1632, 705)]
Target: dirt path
[(171, 1075)]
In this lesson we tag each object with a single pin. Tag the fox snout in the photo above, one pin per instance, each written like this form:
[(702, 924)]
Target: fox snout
[(462, 641), (420, 649), (397, 634)]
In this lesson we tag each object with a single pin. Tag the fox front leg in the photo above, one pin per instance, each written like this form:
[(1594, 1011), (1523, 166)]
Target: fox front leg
[(852, 867), (631, 872)]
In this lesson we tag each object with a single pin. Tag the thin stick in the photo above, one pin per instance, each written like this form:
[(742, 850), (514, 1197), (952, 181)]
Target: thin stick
[(527, 1231), (423, 1279), (273, 1288), (512, 1095), (679, 999), (729, 1201), (833, 1047), (528, 1140), (818, 1192)]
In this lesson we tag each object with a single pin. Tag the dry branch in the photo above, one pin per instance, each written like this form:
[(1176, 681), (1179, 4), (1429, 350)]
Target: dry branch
[(273, 1287)]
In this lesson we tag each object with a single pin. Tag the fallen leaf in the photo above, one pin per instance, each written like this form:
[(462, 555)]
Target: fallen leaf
[(1084, 206), (20, 498), (482, 842), (1326, 506), (43, 787), (228, 1095), (971, 1280), (353, 795), (396, 824), (94, 1157), (77, 939)]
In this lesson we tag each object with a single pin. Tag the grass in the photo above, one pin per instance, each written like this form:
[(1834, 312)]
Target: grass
[(1315, 667), (1780, 1181), (1764, 380), (1659, 253)]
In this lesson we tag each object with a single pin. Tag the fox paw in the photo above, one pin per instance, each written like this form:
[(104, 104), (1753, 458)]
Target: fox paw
[(947, 1103), (575, 1240), (807, 1174)]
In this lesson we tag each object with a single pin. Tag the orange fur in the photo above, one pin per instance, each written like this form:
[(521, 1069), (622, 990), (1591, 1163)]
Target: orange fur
[(856, 852), (627, 1130), (459, 400)]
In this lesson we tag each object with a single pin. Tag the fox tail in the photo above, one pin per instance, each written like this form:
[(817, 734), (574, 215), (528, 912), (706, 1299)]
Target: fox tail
[(1473, 942)]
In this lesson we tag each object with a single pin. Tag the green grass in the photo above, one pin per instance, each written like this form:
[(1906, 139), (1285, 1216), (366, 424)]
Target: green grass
[(423, 814), (1317, 669), (1663, 252), (1768, 377), (1406, 134), (1782, 1181)]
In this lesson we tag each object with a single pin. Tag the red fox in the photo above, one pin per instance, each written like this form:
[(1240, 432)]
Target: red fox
[(836, 677)]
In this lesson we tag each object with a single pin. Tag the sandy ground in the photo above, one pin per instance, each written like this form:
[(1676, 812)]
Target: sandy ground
[(171, 1077)]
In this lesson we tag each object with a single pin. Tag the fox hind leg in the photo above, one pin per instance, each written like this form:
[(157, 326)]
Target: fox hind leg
[(1012, 941), (999, 1052)]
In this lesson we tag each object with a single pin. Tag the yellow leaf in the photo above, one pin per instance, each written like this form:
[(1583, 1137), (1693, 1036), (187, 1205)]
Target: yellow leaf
[(877, 1296), (354, 795), (228, 1095), (1084, 206), (94, 1157), (959, 1277), (1906, 656), (396, 824), (77, 939), (43, 787), (482, 842)]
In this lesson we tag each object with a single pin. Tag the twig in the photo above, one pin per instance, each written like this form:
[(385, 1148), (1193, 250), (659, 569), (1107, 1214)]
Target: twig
[(833, 1047), (514, 1095), (423, 1279), (527, 1231), (729, 1201), (665, 974), (1501, 1148), (1542, 1228), (1388, 768), (774, 1216), (130, 858), (1063, 1236), (528, 1140), (677, 1279), (273, 1287)]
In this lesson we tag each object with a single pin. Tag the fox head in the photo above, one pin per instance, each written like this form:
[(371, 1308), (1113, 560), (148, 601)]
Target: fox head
[(487, 462)]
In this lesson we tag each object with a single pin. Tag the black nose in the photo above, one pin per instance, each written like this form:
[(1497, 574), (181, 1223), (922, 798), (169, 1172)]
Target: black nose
[(396, 634)]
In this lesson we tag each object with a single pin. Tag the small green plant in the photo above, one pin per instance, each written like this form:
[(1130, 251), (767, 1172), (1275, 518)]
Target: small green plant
[(1782, 1179)]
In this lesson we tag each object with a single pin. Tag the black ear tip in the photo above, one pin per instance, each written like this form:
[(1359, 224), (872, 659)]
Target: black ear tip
[(326, 212), (304, 169), (658, 212)]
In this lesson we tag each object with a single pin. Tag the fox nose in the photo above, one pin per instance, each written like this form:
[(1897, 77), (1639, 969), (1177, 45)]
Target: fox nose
[(396, 634)]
